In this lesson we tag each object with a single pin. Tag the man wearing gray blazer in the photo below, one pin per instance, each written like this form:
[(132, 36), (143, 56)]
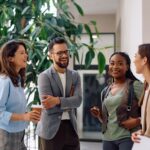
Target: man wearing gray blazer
[(60, 94)]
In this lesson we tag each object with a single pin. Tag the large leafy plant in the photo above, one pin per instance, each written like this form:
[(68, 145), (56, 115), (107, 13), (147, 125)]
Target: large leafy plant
[(24, 19)]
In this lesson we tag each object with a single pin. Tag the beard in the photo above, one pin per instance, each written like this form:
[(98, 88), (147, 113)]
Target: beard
[(62, 64)]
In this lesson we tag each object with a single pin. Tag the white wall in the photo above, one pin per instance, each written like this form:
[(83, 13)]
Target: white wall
[(146, 21), (131, 24), (131, 27), (134, 24), (105, 23)]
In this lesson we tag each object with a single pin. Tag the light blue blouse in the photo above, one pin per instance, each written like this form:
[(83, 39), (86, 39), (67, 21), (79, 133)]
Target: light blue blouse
[(12, 100)]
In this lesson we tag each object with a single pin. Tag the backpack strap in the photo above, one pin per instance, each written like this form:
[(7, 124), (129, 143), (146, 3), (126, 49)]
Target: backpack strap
[(105, 92), (131, 96)]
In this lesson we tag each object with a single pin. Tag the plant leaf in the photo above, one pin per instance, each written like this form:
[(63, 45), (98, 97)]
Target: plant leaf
[(101, 62), (25, 10), (80, 10), (88, 58), (88, 30)]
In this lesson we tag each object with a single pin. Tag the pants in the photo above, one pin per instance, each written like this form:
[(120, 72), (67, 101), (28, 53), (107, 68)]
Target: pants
[(65, 139), (123, 144), (12, 141)]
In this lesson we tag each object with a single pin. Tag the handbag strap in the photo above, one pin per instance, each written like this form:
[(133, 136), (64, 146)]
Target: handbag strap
[(130, 96), (105, 92)]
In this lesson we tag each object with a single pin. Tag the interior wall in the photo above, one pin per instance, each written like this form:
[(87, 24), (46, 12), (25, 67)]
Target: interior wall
[(118, 37), (131, 24), (131, 27), (105, 22), (145, 21)]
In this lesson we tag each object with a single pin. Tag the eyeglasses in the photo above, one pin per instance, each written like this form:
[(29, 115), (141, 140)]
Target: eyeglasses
[(61, 53)]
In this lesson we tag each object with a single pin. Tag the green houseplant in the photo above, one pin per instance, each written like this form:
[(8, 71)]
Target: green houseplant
[(24, 19)]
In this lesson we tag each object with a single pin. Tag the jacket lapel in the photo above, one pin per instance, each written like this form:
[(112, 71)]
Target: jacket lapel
[(57, 80), (69, 83)]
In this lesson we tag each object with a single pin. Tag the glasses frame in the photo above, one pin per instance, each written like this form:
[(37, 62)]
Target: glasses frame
[(61, 53)]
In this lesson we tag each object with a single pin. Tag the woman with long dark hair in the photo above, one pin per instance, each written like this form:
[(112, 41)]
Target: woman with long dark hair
[(116, 135), (14, 117)]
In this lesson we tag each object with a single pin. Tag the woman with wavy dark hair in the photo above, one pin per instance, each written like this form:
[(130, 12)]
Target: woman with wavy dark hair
[(116, 132), (14, 117)]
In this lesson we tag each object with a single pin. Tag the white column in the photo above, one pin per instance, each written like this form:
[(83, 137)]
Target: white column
[(145, 21)]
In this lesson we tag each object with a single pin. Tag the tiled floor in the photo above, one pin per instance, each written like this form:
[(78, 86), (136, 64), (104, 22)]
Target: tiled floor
[(88, 140), (91, 145)]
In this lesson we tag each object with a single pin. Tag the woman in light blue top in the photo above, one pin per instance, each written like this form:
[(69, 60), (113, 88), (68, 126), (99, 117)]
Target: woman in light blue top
[(13, 116)]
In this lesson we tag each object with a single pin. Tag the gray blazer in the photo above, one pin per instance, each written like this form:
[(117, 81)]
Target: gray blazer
[(49, 83)]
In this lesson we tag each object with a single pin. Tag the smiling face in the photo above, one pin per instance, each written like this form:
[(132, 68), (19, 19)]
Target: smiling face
[(60, 55), (118, 66), (19, 60)]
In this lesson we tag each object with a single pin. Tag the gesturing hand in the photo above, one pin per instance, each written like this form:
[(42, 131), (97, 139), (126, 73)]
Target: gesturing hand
[(95, 111)]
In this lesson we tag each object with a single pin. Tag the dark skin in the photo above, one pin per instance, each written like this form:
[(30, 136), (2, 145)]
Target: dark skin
[(117, 69)]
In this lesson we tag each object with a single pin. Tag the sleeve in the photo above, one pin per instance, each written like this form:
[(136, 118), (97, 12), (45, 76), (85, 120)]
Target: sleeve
[(75, 100), (138, 89), (44, 88), (44, 85), (4, 94)]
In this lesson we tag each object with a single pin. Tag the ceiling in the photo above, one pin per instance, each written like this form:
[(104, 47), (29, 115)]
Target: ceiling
[(93, 7)]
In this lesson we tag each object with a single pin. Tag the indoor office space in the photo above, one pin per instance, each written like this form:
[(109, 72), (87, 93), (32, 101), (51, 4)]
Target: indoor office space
[(122, 25)]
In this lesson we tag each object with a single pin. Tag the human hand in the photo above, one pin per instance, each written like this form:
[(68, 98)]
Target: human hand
[(131, 123), (33, 116), (136, 136), (95, 111), (50, 101)]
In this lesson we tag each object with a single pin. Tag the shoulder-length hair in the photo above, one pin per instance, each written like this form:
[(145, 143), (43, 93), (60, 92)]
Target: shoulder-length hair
[(6, 67)]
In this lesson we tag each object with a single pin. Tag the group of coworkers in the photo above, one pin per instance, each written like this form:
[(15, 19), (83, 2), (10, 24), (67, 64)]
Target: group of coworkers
[(60, 94)]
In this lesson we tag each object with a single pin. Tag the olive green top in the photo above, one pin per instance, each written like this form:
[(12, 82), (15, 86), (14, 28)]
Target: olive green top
[(114, 131)]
